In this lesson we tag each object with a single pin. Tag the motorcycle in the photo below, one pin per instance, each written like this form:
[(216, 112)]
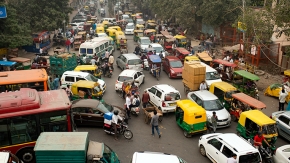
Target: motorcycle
[(146, 65), (266, 154), (107, 70), (122, 128)]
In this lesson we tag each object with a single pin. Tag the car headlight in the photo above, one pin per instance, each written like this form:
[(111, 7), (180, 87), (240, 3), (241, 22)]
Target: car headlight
[(172, 72)]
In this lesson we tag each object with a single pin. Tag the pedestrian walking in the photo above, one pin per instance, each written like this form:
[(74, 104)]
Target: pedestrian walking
[(67, 44), (202, 86), (111, 61), (145, 99), (154, 124), (72, 42), (282, 99), (214, 120)]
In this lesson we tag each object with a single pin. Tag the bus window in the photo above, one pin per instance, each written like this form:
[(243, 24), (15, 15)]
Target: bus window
[(83, 50), (102, 47), (53, 121), (106, 44), (23, 129), (90, 51), (97, 49), (4, 139)]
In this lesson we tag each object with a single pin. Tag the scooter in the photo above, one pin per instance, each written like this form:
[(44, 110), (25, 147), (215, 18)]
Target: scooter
[(107, 70), (122, 128), (145, 65), (134, 110)]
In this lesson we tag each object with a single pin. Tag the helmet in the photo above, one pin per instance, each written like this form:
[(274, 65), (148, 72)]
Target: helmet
[(116, 112)]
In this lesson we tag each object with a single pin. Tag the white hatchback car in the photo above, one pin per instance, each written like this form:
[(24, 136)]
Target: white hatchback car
[(129, 30), (211, 104), (282, 154), (126, 75), (129, 61), (282, 119), (143, 42), (158, 48), (164, 97)]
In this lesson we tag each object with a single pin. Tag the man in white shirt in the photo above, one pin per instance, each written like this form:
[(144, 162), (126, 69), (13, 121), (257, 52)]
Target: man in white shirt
[(232, 159), (115, 119), (107, 54), (202, 86), (72, 42), (128, 105), (93, 61), (282, 99), (111, 61)]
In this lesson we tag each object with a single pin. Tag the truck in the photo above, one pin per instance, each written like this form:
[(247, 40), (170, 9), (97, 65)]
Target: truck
[(62, 62), (72, 147)]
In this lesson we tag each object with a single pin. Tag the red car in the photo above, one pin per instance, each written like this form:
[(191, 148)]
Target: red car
[(172, 66)]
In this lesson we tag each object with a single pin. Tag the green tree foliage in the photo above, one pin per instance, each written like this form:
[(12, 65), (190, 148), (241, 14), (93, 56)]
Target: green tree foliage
[(280, 13)]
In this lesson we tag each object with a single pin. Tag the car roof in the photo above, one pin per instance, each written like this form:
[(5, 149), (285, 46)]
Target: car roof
[(286, 113), (128, 72), (141, 38), (155, 45), (236, 142), (75, 73), (90, 103), (131, 56), (172, 58), (130, 24), (166, 87), (154, 157), (205, 95)]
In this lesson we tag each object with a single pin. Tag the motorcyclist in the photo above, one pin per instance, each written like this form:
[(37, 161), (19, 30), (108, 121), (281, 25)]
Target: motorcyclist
[(259, 139), (137, 50), (115, 120), (105, 68)]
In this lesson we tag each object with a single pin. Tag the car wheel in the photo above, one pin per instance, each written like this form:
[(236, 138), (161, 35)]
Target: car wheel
[(202, 150)]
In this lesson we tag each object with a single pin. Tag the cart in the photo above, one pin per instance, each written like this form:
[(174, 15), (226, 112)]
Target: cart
[(77, 42), (148, 112)]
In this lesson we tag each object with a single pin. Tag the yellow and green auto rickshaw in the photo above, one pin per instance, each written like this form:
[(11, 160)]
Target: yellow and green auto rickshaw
[(83, 89), (139, 27), (100, 30), (106, 23), (111, 33), (151, 25), (190, 58), (137, 34), (121, 40), (149, 32), (190, 117), (252, 121), (181, 40), (117, 28), (21, 63), (92, 69)]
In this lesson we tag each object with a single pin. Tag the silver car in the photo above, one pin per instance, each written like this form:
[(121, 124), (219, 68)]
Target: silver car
[(282, 119), (129, 61), (211, 104), (143, 42)]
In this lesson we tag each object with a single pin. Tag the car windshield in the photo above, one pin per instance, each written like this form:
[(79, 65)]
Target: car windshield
[(90, 77), (105, 108), (129, 27), (172, 96), (212, 76), (176, 64), (250, 157), (124, 78), (134, 61), (212, 105), (145, 41), (269, 129), (158, 49), (129, 20)]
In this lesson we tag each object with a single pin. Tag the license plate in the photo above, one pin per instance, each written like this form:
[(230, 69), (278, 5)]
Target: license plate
[(222, 123), (179, 74), (172, 104)]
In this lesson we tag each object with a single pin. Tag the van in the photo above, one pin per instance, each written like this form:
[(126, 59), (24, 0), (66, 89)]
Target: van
[(69, 77), (98, 46), (219, 147), (129, 61), (211, 75), (155, 157)]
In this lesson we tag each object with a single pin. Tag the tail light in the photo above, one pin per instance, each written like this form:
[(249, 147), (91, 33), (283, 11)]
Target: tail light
[(127, 66), (163, 104)]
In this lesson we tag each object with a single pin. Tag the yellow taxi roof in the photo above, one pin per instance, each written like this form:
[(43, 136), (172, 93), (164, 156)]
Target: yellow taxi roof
[(85, 84), (224, 86), (257, 116), (179, 37), (287, 72), (193, 57), (190, 108), (86, 67), (112, 27), (138, 31)]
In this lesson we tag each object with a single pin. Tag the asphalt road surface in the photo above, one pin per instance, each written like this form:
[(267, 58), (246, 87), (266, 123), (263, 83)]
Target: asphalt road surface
[(172, 140)]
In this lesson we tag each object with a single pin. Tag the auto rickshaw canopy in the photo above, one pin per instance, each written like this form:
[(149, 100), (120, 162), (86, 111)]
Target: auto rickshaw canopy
[(20, 59), (117, 28), (154, 59), (179, 37), (7, 63), (86, 67), (256, 116), (226, 63), (100, 30), (204, 56), (111, 32), (193, 113), (119, 33), (182, 51), (249, 100), (147, 31), (191, 58), (287, 72), (150, 21), (247, 75), (224, 86), (138, 26)]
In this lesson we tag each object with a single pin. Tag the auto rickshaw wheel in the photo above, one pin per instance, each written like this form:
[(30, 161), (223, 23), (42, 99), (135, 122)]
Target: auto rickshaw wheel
[(202, 150), (186, 134)]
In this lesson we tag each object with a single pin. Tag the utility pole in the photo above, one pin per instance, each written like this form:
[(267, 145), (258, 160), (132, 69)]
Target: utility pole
[(244, 34)]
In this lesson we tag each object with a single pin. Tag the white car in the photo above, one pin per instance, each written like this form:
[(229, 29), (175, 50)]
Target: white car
[(211, 104), (282, 154), (126, 75), (129, 30), (164, 97), (143, 42), (102, 35), (158, 48), (79, 26), (282, 119), (219, 147)]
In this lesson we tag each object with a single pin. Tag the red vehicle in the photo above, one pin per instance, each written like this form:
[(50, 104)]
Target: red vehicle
[(172, 66), (26, 113), (41, 37), (181, 53)]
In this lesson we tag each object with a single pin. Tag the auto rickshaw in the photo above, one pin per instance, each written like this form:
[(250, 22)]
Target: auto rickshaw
[(224, 68), (252, 121), (120, 40), (120, 33), (102, 12), (242, 102), (167, 45), (190, 58), (181, 53), (83, 89), (245, 82), (137, 34), (151, 21), (92, 69), (155, 65), (87, 27), (112, 33), (117, 28), (100, 30), (21, 63), (151, 26), (106, 23), (77, 42), (181, 40), (190, 117), (139, 27), (7, 65), (149, 32), (224, 92), (204, 57)]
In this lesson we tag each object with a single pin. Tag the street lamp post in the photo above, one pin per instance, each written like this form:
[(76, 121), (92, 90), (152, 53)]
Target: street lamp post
[(244, 34), (63, 27)]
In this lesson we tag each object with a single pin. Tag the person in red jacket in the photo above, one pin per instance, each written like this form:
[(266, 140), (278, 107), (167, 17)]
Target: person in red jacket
[(67, 44), (145, 99)]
